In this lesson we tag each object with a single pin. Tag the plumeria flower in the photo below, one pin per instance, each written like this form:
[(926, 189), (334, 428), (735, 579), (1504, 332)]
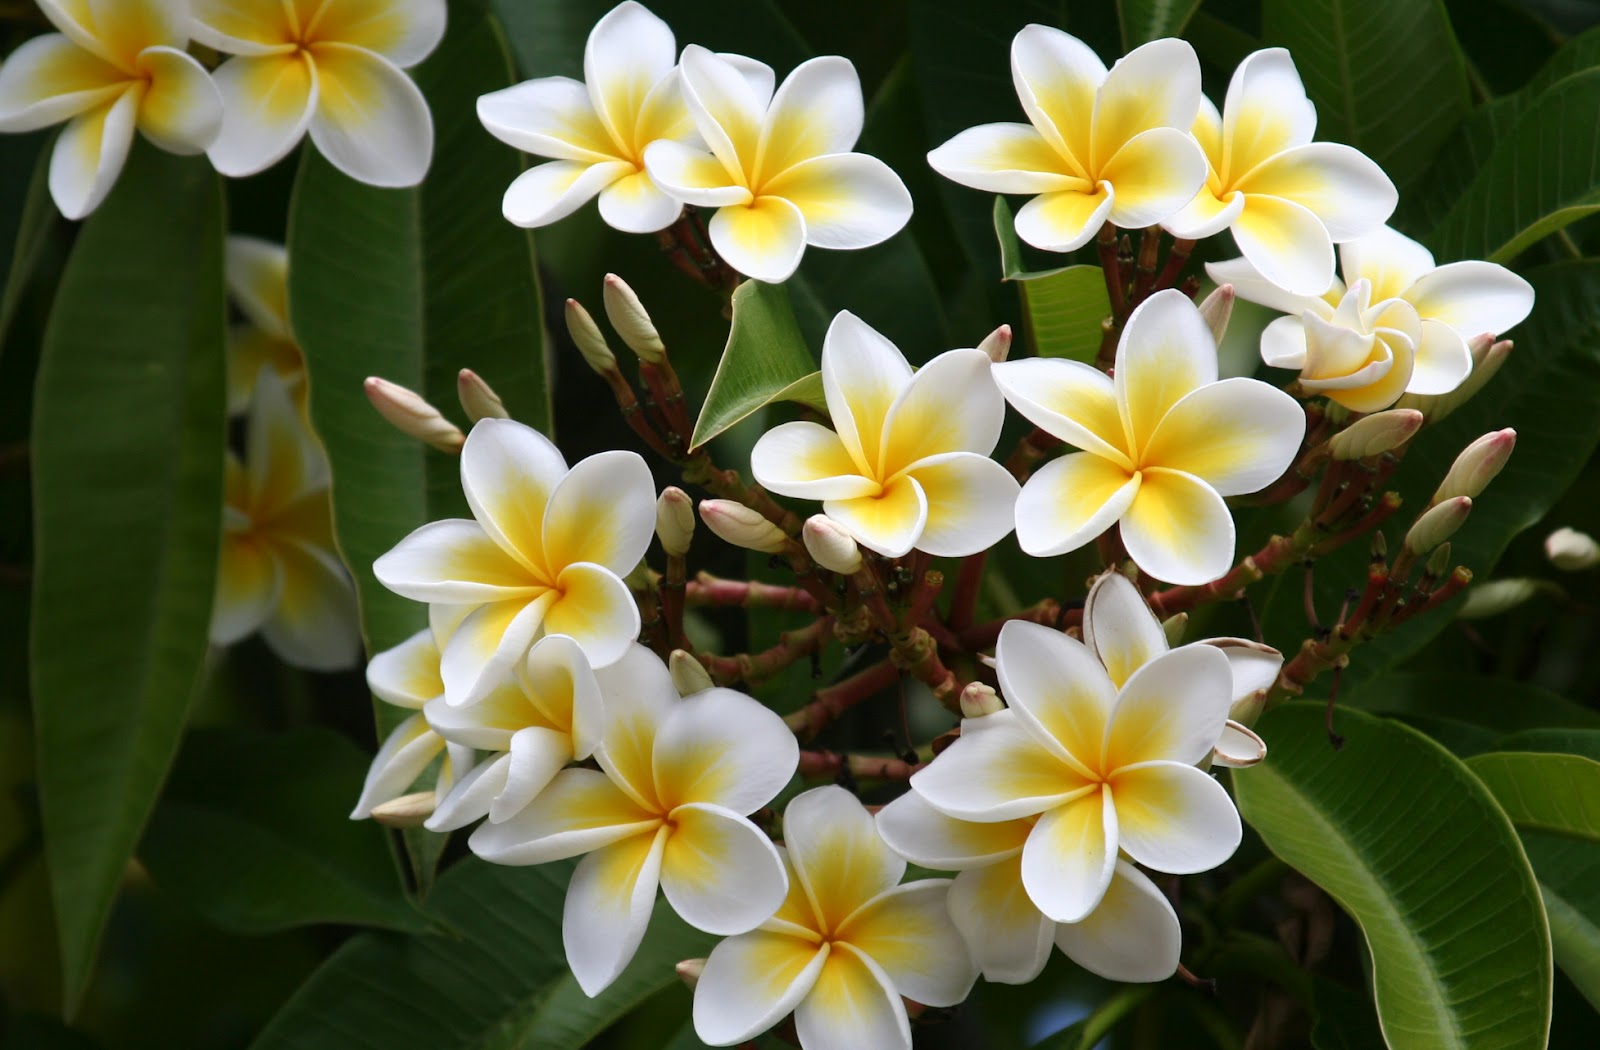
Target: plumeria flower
[(597, 131), (849, 941), (667, 807), (542, 554), (407, 676), (1131, 935), (330, 67), (542, 717), (1100, 744), (113, 67), (279, 572), (1100, 146), (1395, 324), (907, 463), (258, 281), (1286, 199), (780, 173), (1162, 444)]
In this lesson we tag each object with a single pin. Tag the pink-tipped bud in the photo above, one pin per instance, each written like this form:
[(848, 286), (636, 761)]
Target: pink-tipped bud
[(675, 521), (629, 317), (1438, 524), (741, 526), (478, 399), (408, 412), (688, 674), (831, 545), (407, 811), (1375, 434), (1477, 465), (1217, 309), (1488, 355), (591, 343), (689, 971), (1571, 551), (997, 344), (978, 700)]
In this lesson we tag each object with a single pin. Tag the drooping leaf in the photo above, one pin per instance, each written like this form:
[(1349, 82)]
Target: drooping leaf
[(1061, 308), (1409, 843), (1569, 878), (27, 218), (1470, 713), (252, 832), (127, 460), (1544, 792), (1145, 20), (765, 355)]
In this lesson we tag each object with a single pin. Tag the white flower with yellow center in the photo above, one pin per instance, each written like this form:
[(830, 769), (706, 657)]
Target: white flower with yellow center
[(1162, 443), (544, 716), (1100, 744), (258, 282), (1287, 199), (669, 809), (542, 554), (780, 172), (907, 463), (1396, 323), (1099, 146), (115, 66), (596, 131), (279, 572), (330, 67), (849, 941)]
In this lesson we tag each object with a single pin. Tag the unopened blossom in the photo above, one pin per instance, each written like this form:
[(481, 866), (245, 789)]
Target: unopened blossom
[(907, 464), (1570, 550), (1287, 199), (780, 172), (113, 67), (1100, 146), (1099, 741), (257, 273), (543, 716), (330, 68), (595, 132), (667, 807), (1395, 324), (1131, 935), (849, 941), (1161, 444), (279, 572), (543, 553)]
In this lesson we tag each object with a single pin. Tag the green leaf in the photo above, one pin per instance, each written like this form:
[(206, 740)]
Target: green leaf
[(1409, 843), (1569, 878), (127, 460), (1543, 175), (1063, 308), (252, 832), (1544, 792), (1569, 737), (1470, 713), (498, 980), (1344, 1018), (765, 356), (1145, 20), (28, 217), (1387, 76)]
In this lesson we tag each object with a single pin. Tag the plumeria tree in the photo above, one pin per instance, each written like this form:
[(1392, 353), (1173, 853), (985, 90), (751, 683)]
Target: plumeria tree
[(581, 524)]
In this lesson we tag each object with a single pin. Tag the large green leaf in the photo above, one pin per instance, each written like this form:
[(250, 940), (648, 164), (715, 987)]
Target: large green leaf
[(765, 356), (1544, 792), (497, 980), (1569, 878), (1387, 76), (127, 458), (252, 832), (1061, 308), (1470, 713), (27, 218), (1146, 20), (1410, 844), (1543, 175)]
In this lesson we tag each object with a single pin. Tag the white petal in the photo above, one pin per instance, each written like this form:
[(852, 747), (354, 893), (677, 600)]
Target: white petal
[(721, 873), (315, 624), (1441, 360), (1255, 666), (907, 931), (1074, 401), (548, 192), (1283, 343), (402, 31), (1056, 76), (722, 748), (837, 855), (1286, 243), (1249, 285), (996, 771), (490, 642), (548, 117), (236, 28), (453, 561), (1153, 176), (1347, 192), (751, 982), (1266, 112), (1388, 260), (808, 461), (89, 155), (267, 105), (1174, 818), (257, 272), (890, 523), (1178, 529), (951, 405), (693, 175), (607, 910), (628, 52), (405, 753), (537, 755), (1058, 689), (1166, 351), (1154, 86), (1171, 709), (560, 681), (1067, 863), (931, 839), (726, 108), (818, 110), (249, 580), (1473, 297), (635, 204), (848, 200), (638, 695), (50, 79), (581, 810), (863, 374), (852, 1004), (1132, 936), (1205, 215), (470, 797), (1237, 435), (1119, 628), (1239, 747), (182, 110), (508, 471), (1064, 220), (1071, 500), (1003, 158), (596, 610), (371, 121), (971, 503), (763, 239), (603, 511), (1008, 936)]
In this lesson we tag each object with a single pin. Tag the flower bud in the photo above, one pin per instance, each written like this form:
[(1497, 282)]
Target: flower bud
[(478, 399), (407, 811), (1439, 561), (689, 971), (675, 521), (1477, 465), (1498, 596), (831, 545), (1375, 434), (408, 412), (590, 342), (997, 344), (978, 700), (1487, 357), (1217, 309), (688, 674), (632, 323), (1571, 551), (1173, 627), (741, 526), (1438, 524)]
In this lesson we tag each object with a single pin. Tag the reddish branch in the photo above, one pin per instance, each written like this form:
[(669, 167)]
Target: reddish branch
[(755, 667), (830, 764), (706, 589), (828, 704)]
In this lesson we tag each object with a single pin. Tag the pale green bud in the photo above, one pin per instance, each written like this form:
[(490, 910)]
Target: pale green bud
[(1477, 465), (978, 700), (411, 414), (1438, 524), (675, 520), (831, 545), (1375, 434), (1571, 551), (688, 674), (741, 526), (633, 324), (478, 399)]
